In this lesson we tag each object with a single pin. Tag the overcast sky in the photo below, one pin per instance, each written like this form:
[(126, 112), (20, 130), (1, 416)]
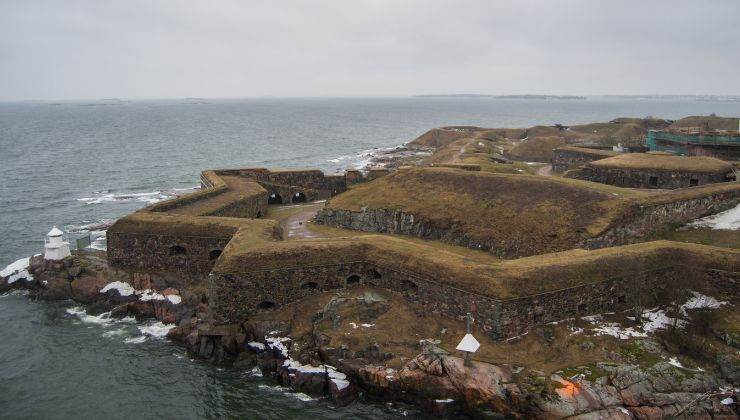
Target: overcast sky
[(209, 48)]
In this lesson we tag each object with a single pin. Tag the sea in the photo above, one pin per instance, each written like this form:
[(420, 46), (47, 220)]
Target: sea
[(79, 165)]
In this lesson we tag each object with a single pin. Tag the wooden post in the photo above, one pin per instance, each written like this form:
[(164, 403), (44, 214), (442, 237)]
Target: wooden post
[(469, 325)]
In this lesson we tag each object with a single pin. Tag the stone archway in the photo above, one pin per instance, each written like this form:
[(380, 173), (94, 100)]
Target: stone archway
[(298, 197), (266, 304), (353, 279), (274, 198)]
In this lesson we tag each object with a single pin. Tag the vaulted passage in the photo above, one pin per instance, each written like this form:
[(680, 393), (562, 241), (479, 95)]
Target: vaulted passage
[(267, 304), (299, 197), (309, 285), (178, 250), (274, 198), (353, 279), (214, 254)]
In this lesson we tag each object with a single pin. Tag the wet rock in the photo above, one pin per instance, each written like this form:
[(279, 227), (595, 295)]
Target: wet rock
[(482, 383), (729, 368), (87, 288), (341, 391), (246, 360)]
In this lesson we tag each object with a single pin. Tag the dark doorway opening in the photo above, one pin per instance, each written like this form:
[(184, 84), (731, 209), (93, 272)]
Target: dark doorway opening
[(309, 285), (299, 197), (693, 182), (267, 304), (274, 198), (177, 250), (653, 181), (214, 254), (353, 279)]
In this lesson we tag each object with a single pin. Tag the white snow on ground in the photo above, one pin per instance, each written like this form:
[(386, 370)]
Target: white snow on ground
[(728, 401), (123, 288), (699, 301), (155, 329), (729, 219), (277, 343), (17, 270), (174, 299), (256, 345), (652, 319), (148, 294), (673, 361)]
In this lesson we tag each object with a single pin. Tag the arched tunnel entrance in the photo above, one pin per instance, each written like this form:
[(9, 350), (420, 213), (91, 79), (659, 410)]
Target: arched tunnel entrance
[(299, 197), (274, 198)]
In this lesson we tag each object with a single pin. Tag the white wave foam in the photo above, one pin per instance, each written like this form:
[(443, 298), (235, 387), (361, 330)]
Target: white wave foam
[(102, 319), (156, 329), (135, 340), (149, 197)]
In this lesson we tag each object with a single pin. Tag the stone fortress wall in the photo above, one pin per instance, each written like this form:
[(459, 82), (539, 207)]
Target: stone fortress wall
[(646, 178), (570, 157), (579, 290), (215, 233)]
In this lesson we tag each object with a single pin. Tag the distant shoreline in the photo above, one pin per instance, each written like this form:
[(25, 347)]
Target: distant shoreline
[(474, 95)]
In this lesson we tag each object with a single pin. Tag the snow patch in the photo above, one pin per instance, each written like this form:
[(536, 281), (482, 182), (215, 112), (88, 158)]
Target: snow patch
[(278, 343), (17, 270), (174, 299), (123, 288), (728, 401), (149, 294), (255, 345), (729, 219)]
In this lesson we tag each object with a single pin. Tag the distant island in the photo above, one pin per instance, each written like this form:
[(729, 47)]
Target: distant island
[(476, 95)]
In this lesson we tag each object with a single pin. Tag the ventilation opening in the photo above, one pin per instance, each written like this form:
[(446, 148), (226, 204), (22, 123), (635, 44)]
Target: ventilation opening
[(258, 215), (274, 198), (375, 274), (693, 182), (214, 254), (409, 286), (653, 181), (177, 250), (353, 279), (309, 285), (299, 197), (266, 304)]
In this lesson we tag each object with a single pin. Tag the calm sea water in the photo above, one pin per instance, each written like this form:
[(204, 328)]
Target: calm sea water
[(72, 164)]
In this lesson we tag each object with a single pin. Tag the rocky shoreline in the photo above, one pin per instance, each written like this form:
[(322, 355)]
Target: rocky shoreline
[(433, 379)]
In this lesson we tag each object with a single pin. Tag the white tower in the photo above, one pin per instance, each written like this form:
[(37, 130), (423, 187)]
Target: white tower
[(55, 247)]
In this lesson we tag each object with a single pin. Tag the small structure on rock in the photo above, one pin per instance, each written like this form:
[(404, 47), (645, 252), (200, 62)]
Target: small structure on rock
[(55, 247), (468, 344)]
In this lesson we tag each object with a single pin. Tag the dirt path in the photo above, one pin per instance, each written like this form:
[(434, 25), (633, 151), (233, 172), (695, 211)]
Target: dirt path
[(294, 219), (545, 171)]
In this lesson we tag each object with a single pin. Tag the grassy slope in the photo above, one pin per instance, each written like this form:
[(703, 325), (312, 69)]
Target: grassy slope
[(525, 214)]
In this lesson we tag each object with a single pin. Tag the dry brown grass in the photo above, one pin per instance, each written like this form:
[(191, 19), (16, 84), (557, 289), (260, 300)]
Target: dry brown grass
[(526, 214), (707, 123), (661, 162), (536, 149)]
